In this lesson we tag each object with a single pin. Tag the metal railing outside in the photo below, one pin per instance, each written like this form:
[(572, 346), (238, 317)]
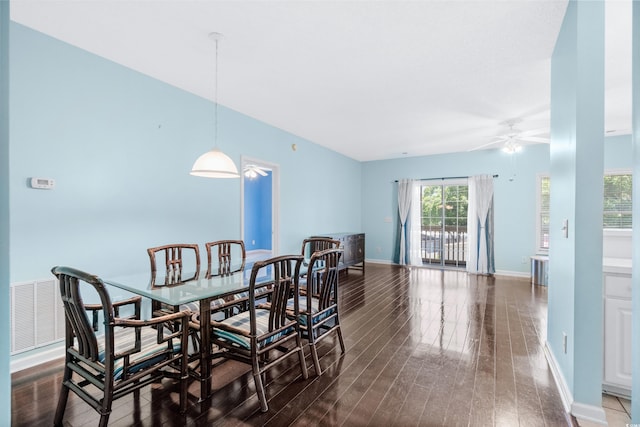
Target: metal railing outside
[(444, 247)]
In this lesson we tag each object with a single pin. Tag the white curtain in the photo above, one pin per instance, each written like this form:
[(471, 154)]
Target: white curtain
[(415, 225), (409, 210), (480, 225)]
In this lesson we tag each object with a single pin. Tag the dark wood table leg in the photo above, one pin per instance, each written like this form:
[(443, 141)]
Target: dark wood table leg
[(205, 349)]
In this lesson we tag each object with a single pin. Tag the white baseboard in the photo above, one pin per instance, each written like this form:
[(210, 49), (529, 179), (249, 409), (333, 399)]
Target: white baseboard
[(520, 274), (581, 411), (524, 275), (380, 261), (33, 358), (565, 394), (594, 414)]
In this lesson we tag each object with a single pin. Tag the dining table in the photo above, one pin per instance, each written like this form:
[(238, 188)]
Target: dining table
[(185, 288)]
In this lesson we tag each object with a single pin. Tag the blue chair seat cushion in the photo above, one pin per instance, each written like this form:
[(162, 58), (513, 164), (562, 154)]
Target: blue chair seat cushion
[(216, 304), (259, 292), (243, 321), (124, 339), (219, 303), (314, 309)]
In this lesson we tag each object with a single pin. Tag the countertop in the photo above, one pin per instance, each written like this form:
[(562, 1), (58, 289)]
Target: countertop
[(617, 265)]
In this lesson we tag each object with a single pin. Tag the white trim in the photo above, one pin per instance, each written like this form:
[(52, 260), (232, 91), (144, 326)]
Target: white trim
[(518, 274), (581, 411), (521, 274), (563, 388), (380, 261), (618, 171), (594, 414), (617, 232), (36, 357)]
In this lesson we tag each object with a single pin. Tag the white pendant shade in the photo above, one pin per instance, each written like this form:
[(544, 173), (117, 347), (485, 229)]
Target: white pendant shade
[(215, 164)]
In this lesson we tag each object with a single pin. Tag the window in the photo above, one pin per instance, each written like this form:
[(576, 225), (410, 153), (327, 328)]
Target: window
[(617, 213), (544, 192), (617, 201), (444, 223)]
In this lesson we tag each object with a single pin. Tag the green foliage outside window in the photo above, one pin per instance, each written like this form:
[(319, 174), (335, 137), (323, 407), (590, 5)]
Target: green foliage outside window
[(455, 205), (545, 201), (617, 201), (617, 205)]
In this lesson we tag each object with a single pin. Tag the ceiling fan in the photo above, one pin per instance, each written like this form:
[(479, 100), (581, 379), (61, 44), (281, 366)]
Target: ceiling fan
[(511, 141), (252, 171)]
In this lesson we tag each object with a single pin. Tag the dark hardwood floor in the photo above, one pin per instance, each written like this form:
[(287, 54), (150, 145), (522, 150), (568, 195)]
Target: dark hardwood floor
[(424, 348)]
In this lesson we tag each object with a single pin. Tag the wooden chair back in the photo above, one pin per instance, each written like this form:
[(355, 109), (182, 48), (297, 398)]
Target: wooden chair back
[(283, 272), (78, 325), (322, 279), (230, 255), (314, 244), (175, 257)]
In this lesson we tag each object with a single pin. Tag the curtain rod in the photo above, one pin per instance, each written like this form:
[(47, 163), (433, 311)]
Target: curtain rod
[(443, 178)]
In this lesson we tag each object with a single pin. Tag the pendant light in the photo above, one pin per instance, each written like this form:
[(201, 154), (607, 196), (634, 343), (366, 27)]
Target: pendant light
[(214, 163)]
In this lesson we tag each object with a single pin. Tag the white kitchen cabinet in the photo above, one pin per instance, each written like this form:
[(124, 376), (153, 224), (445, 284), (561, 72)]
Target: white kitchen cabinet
[(617, 332)]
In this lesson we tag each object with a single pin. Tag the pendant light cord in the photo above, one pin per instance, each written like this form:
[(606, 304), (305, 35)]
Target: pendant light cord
[(215, 99)]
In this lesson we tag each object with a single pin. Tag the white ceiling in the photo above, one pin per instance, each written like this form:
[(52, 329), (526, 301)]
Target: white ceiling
[(369, 79)]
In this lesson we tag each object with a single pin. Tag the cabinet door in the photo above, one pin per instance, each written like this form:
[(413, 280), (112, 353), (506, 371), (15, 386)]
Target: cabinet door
[(617, 342), (347, 256), (359, 251)]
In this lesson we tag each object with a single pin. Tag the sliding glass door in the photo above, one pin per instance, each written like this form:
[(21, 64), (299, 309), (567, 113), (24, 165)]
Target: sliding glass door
[(444, 223)]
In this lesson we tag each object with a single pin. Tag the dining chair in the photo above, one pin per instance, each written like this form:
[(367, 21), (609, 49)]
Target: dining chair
[(318, 309), (313, 244), (126, 355), (309, 246), (176, 257), (257, 335), (225, 257)]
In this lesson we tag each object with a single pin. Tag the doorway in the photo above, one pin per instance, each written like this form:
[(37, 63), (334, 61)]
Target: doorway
[(259, 195), (444, 223)]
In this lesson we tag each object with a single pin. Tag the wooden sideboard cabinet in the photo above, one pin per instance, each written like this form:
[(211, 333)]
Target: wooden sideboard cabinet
[(353, 246)]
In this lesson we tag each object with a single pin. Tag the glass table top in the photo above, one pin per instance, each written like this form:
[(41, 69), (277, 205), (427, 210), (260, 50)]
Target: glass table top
[(189, 287)]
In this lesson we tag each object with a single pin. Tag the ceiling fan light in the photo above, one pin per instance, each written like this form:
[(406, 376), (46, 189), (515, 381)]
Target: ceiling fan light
[(511, 147), (214, 164)]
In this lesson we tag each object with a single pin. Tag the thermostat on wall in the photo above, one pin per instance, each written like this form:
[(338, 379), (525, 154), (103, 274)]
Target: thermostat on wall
[(42, 183)]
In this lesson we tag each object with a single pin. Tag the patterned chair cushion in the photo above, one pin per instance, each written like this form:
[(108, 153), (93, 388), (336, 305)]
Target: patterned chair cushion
[(218, 303), (124, 339), (303, 309), (242, 321)]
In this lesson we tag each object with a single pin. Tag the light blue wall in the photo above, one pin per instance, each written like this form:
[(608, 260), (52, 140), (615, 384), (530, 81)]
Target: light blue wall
[(515, 201), (635, 295), (515, 198), (5, 377), (576, 156), (618, 153), (120, 145), (258, 212)]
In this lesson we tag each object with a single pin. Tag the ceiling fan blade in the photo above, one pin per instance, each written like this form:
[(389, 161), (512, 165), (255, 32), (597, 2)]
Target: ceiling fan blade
[(256, 169), (488, 144), (534, 139), (532, 132)]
